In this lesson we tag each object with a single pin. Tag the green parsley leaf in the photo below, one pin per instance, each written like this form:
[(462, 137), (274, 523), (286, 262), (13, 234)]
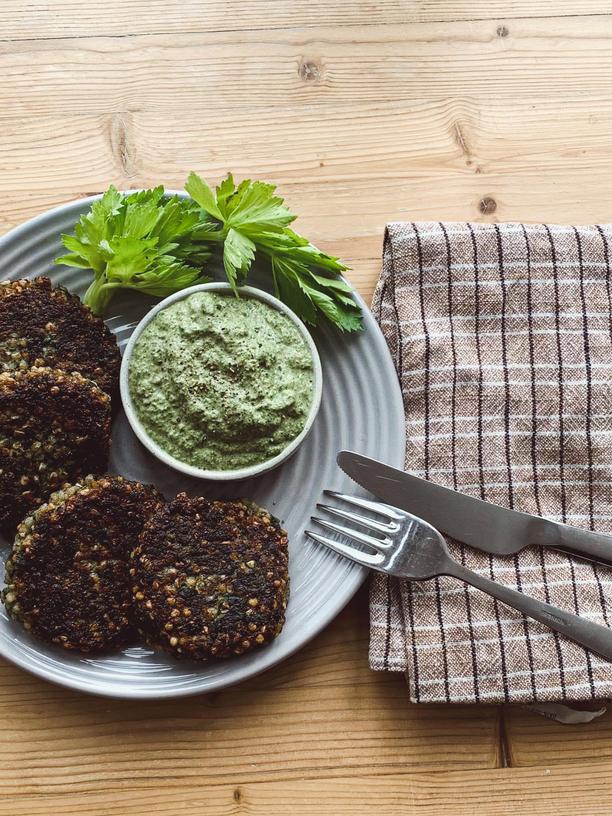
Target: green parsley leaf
[(238, 255), (201, 193), (143, 241)]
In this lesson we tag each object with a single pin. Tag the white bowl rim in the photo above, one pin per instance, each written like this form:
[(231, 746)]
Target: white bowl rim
[(202, 473)]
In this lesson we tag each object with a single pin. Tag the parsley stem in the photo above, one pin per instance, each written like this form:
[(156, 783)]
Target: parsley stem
[(98, 294)]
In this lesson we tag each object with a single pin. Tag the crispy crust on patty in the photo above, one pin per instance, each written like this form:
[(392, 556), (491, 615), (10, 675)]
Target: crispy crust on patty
[(210, 578), (54, 428), (45, 326), (68, 573)]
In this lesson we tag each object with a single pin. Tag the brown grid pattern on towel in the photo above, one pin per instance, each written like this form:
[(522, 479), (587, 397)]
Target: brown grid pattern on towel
[(502, 340)]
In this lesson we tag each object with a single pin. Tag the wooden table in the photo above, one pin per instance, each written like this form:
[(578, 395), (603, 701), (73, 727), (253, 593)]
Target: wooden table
[(362, 111)]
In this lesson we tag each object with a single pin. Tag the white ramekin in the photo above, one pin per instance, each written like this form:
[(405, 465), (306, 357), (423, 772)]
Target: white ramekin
[(183, 467)]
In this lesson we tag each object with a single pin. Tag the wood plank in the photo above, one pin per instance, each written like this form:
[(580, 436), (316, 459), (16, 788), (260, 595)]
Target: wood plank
[(532, 741), (427, 141), (321, 714), (438, 159), (541, 791), (71, 18), (536, 59)]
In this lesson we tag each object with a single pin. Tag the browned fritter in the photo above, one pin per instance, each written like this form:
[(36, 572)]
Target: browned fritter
[(45, 326), (210, 577), (68, 574), (54, 428)]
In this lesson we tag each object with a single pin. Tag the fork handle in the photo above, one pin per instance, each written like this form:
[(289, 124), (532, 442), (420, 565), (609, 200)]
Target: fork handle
[(592, 636)]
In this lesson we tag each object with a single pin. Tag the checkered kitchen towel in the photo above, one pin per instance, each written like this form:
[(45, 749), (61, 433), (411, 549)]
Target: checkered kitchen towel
[(502, 339)]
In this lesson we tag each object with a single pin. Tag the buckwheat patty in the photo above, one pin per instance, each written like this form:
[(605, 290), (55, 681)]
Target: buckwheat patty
[(45, 326), (68, 574), (210, 577), (54, 428)]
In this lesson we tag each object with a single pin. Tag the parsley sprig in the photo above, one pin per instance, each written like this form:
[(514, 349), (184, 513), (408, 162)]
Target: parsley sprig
[(252, 221), (159, 244), (139, 241)]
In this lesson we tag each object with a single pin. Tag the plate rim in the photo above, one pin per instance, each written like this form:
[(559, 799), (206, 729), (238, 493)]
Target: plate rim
[(334, 605)]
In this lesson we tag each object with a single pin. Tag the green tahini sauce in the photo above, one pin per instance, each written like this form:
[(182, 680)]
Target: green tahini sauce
[(221, 382)]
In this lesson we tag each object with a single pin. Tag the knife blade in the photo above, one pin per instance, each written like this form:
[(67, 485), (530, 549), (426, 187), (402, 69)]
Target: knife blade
[(472, 521)]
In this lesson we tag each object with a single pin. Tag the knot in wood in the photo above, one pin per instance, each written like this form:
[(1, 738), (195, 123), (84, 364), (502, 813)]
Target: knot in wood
[(309, 71), (487, 205)]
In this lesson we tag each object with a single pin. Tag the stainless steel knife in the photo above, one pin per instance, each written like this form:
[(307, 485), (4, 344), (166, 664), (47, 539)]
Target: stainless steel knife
[(478, 523)]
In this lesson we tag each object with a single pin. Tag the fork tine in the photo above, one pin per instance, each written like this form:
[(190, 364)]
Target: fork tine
[(369, 524), (363, 558), (378, 544), (373, 507)]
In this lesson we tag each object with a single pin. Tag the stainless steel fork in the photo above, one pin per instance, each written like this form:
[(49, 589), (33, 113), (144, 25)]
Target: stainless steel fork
[(404, 545)]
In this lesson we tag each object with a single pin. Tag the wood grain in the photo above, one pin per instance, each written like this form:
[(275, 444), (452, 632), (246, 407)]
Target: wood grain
[(247, 70), (72, 18), (323, 714), (438, 159), (362, 112), (548, 791), (529, 744)]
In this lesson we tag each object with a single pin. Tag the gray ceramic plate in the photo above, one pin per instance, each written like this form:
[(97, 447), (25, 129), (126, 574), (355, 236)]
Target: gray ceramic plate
[(361, 410)]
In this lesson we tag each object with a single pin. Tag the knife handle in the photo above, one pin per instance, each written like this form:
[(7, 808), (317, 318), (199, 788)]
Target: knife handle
[(594, 546), (592, 636)]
